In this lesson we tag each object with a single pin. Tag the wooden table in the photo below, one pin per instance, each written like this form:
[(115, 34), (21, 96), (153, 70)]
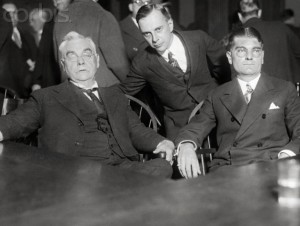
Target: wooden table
[(41, 188)]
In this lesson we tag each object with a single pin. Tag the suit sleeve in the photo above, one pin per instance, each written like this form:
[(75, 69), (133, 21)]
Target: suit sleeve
[(217, 60), (143, 138), (112, 46), (135, 82), (292, 119), (22, 121), (200, 125)]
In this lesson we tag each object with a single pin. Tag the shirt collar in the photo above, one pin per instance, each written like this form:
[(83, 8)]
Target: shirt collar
[(252, 83), (95, 85)]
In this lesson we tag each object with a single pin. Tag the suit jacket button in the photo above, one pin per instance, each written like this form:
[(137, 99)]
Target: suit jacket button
[(80, 123), (232, 119), (235, 144), (259, 145), (263, 116), (77, 143)]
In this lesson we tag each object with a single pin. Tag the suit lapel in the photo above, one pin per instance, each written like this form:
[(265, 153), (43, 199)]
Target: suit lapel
[(260, 102), (234, 101), (109, 101), (164, 70), (192, 54), (66, 97)]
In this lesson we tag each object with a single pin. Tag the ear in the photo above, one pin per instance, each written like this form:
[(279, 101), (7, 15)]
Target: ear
[(62, 64), (262, 56), (130, 7), (240, 17), (98, 60), (259, 13), (228, 54), (171, 24)]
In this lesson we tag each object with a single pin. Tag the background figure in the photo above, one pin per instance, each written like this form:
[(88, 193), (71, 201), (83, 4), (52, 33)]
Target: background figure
[(288, 18), (257, 117), (175, 65), (282, 46), (89, 18), (133, 38), (20, 55), (47, 71)]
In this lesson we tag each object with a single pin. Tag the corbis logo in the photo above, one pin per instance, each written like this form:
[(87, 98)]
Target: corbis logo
[(23, 14)]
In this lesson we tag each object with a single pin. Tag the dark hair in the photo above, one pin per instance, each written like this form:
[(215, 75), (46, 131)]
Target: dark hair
[(244, 32), (248, 7), (145, 10), (287, 14)]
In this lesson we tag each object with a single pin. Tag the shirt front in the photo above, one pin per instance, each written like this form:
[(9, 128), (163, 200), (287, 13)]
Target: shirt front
[(178, 51), (252, 83)]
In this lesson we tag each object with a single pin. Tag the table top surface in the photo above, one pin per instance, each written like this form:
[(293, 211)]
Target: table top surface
[(43, 188)]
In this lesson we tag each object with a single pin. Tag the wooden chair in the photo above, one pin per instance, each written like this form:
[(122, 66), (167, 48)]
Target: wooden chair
[(147, 117), (9, 101), (204, 153)]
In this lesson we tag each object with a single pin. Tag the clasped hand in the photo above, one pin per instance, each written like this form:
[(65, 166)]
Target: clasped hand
[(187, 160)]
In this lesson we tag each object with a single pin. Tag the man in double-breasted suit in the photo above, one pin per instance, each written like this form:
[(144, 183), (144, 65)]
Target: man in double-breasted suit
[(257, 117), (79, 118), (175, 65)]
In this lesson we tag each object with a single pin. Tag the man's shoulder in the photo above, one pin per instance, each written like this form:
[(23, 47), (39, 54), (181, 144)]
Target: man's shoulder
[(126, 21)]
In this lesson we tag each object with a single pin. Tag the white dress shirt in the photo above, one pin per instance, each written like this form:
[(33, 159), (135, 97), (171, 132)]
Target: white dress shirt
[(178, 52)]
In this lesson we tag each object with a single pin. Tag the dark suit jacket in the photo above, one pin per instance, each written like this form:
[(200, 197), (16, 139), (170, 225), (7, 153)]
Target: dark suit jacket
[(282, 49), (90, 19), (14, 71), (133, 38), (46, 72), (249, 133), (56, 112), (178, 98)]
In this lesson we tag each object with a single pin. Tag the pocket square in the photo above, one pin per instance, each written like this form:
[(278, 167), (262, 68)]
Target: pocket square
[(273, 106)]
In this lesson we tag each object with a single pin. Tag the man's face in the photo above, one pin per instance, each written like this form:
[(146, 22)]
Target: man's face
[(13, 12), (61, 5), (136, 5), (246, 56), (157, 30), (79, 61), (36, 22)]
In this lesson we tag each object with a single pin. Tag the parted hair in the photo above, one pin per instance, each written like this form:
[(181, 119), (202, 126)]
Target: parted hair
[(145, 10), (244, 32)]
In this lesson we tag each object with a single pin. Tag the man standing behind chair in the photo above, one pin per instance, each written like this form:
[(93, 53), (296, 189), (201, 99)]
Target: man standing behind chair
[(256, 116), (282, 46), (82, 119), (90, 19), (175, 65)]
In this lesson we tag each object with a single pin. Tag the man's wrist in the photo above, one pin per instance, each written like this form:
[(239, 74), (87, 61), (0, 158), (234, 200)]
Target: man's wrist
[(184, 143)]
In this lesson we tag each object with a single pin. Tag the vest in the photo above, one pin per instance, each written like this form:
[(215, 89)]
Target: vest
[(99, 141)]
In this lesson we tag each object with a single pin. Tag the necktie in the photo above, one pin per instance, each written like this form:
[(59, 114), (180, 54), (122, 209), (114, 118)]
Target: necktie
[(95, 99), (173, 61), (248, 93), (16, 37)]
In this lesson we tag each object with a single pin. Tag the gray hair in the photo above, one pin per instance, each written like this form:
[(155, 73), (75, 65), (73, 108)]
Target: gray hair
[(72, 35)]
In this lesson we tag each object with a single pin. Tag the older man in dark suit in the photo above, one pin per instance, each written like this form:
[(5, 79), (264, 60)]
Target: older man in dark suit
[(175, 65), (257, 117), (79, 118), (89, 18)]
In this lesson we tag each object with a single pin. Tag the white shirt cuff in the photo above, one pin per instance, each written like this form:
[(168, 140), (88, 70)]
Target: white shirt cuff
[(182, 142), (287, 152)]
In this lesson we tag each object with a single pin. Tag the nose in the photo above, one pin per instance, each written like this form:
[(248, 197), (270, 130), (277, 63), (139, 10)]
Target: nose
[(80, 60), (154, 38), (249, 55)]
